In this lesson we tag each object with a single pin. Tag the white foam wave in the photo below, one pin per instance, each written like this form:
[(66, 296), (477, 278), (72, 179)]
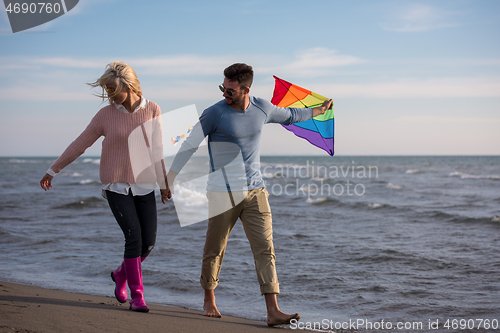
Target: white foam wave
[(467, 176), (190, 197), (392, 186), (270, 175), (317, 200), (17, 160), (86, 181), (76, 174), (92, 160), (375, 205), (495, 219), (410, 171)]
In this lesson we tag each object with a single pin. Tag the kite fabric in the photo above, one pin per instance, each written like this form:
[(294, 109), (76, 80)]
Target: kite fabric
[(319, 130)]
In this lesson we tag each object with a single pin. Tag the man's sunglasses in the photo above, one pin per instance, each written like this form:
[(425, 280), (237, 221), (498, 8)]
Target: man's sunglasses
[(230, 92)]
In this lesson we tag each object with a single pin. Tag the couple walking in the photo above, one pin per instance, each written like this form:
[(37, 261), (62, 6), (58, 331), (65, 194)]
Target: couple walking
[(132, 165)]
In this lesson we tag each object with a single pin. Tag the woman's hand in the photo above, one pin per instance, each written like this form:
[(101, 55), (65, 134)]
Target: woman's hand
[(167, 193), (46, 182)]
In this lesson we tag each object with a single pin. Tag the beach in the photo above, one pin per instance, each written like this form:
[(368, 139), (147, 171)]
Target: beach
[(30, 309)]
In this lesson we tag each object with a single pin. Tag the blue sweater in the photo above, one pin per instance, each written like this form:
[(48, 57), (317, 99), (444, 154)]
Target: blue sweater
[(234, 141)]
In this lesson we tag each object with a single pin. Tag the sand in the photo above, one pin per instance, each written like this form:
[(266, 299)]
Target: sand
[(28, 309)]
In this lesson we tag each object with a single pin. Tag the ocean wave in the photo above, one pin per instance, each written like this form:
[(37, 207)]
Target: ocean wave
[(46, 241), (319, 179), (189, 196), (84, 203), (374, 205), (469, 176), (457, 218), (87, 181), (363, 205), (322, 201), (5, 206), (92, 160), (373, 289), (16, 160), (411, 171), (392, 186), (379, 256), (300, 236)]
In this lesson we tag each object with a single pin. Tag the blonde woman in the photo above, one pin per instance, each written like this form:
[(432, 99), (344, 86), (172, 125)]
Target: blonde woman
[(131, 166)]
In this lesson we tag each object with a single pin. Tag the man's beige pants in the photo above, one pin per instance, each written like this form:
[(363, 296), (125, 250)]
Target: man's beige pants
[(255, 213)]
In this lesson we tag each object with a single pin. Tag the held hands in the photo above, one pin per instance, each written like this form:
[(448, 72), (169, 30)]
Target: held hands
[(167, 193), (46, 182), (319, 110)]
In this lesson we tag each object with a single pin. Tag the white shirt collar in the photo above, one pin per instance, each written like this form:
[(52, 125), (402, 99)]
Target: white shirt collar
[(142, 105)]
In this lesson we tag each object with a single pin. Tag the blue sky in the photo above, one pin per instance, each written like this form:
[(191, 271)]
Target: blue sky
[(407, 77)]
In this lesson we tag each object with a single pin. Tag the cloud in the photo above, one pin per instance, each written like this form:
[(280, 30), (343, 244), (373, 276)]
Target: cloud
[(419, 18), (170, 90), (191, 77), (181, 65), (186, 90), (310, 62), (43, 93), (67, 62), (314, 62), (321, 57), (196, 90), (410, 88), (436, 119), (173, 65)]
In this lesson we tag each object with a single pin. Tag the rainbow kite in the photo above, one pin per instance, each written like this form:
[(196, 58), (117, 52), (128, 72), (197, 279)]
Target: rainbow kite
[(319, 130)]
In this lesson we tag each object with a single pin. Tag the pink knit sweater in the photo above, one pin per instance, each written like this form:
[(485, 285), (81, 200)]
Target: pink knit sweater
[(132, 149)]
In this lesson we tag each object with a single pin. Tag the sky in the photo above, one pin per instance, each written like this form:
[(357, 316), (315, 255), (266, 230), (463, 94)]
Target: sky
[(406, 77)]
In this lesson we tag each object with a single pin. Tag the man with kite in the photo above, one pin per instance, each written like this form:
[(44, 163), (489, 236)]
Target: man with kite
[(234, 126)]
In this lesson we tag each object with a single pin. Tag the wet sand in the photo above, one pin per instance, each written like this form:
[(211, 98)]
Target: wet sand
[(28, 309)]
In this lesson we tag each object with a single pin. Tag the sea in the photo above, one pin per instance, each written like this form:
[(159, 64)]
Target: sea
[(375, 243)]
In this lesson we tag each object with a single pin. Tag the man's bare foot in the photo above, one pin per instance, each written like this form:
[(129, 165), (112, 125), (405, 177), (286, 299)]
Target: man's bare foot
[(274, 315), (280, 318), (209, 305), (211, 310)]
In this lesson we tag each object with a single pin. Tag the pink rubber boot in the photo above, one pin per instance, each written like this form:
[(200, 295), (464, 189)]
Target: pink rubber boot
[(120, 279), (134, 279)]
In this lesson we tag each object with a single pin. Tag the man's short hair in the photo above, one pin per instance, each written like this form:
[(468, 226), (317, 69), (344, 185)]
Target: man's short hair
[(240, 72)]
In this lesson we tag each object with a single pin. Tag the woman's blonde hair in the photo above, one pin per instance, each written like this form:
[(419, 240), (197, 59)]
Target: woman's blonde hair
[(123, 75)]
